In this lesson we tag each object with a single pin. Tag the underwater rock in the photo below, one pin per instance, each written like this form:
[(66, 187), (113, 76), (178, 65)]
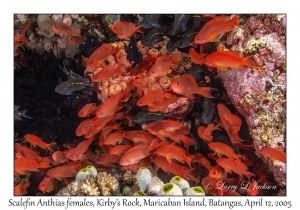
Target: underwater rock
[(260, 94)]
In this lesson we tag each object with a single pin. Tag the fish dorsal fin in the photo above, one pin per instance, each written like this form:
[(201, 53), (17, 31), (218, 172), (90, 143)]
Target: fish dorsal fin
[(169, 160), (233, 53), (219, 154)]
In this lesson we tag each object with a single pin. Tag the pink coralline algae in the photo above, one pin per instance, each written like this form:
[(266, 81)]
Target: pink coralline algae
[(260, 94)]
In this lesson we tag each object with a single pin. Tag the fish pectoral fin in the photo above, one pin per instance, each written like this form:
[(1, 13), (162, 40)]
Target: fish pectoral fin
[(222, 68), (219, 154), (169, 160)]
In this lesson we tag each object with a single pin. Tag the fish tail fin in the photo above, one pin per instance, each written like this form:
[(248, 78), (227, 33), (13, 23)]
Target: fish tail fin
[(44, 164), (48, 146), (187, 142), (188, 160), (23, 114), (176, 59), (238, 157), (235, 21), (206, 91), (249, 61)]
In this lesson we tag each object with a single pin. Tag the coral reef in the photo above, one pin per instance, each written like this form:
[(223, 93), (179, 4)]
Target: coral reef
[(170, 189), (102, 184), (260, 94)]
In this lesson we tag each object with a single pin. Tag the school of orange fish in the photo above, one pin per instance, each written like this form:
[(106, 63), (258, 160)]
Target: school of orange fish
[(164, 143)]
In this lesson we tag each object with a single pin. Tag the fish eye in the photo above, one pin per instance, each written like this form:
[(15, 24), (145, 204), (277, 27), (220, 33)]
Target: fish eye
[(153, 71), (177, 83)]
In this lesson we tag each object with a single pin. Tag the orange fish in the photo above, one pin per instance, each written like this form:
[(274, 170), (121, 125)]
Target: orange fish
[(101, 54), (107, 160), (150, 97), (125, 30), (108, 72), (25, 165), (112, 104), (186, 85), (88, 110), (138, 152), (273, 153), (138, 136), (21, 39), (171, 151), (63, 29), (215, 27), (252, 188), (161, 104), (135, 167), (196, 58), (161, 162), (84, 126), (168, 125), (224, 149), (200, 159), (81, 148), (23, 152), (76, 40), (162, 65), (59, 157), (223, 60), (114, 138), (120, 149), (21, 188), (218, 172), (230, 164), (34, 140), (104, 133), (47, 185), (206, 133), (65, 171)]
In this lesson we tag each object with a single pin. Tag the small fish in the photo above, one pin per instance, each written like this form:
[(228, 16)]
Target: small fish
[(154, 36), (62, 29), (223, 60), (138, 136), (173, 42), (273, 153), (88, 46), (187, 37), (218, 172), (208, 112), (161, 104), (215, 27), (23, 152), (64, 171), (119, 149), (167, 125), (150, 21), (171, 151), (84, 126), (19, 114), (186, 85), (36, 141), (179, 24), (21, 39), (76, 40), (200, 159), (101, 54), (47, 185), (133, 52), (223, 149), (162, 65), (70, 86), (150, 97), (108, 72), (107, 159), (59, 157), (230, 122), (70, 74), (196, 58), (21, 188), (114, 138), (230, 164), (197, 72), (125, 30), (206, 132), (147, 117), (138, 152), (113, 104), (80, 149), (24, 165), (88, 110)]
